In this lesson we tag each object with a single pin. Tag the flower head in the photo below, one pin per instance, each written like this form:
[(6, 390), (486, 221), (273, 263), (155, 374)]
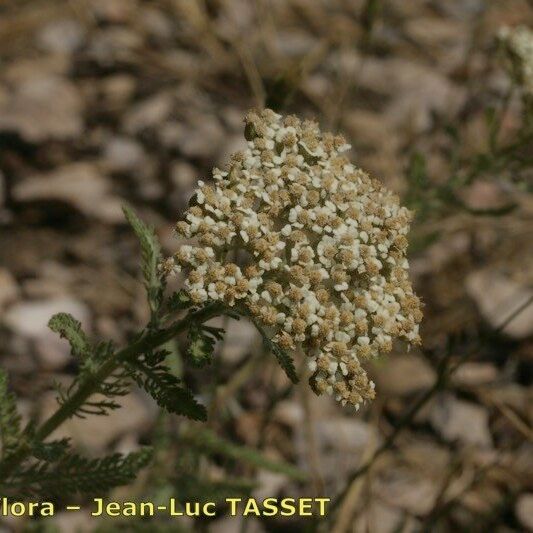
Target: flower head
[(311, 246), (518, 42)]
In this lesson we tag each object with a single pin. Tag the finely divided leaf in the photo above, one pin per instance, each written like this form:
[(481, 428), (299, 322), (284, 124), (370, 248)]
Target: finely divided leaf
[(284, 359), (151, 256), (183, 402), (178, 301), (200, 350), (9, 417), (69, 328), (51, 451), (74, 473), (168, 392), (202, 344)]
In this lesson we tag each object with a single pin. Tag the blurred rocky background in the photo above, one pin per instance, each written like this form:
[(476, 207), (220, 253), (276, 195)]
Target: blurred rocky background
[(110, 101)]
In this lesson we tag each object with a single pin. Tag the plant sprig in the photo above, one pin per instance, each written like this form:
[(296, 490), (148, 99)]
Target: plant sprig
[(31, 464)]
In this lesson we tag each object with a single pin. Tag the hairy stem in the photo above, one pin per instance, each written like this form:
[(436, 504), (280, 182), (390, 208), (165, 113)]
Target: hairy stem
[(89, 386)]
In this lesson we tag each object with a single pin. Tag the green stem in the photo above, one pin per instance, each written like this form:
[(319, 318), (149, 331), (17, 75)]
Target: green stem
[(90, 385)]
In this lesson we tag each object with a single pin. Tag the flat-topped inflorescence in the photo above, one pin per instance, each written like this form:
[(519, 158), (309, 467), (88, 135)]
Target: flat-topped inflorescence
[(309, 245)]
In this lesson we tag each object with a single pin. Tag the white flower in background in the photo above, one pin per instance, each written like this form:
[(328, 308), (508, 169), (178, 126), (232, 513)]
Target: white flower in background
[(518, 42), (319, 250)]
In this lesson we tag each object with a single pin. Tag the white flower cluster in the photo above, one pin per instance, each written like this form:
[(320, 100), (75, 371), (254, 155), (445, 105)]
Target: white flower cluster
[(519, 46), (317, 251)]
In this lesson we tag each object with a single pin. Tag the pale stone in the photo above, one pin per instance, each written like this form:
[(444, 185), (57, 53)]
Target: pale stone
[(524, 510), (43, 107), (463, 421), (77, 184), (498, 297)]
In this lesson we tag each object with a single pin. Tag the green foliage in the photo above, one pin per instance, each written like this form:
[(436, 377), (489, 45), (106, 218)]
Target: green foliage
[(210, 443), (502, 159), (150, 259), (104, 396), (35, 467), (202, 344), (178, 301), (91, 358), (417, 171), (166, 389), (284, 359), (69, 328), (72, 473), (9, 417), (51, 451)]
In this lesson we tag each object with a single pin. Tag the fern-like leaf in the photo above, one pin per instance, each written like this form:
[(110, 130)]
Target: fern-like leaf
[(168, 391), (178, 301), (91, 358), (151, 257), (106, 393), (9, 417), (70, 329), (284, 359), (76, 474), (202, 344), (51, 451)]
